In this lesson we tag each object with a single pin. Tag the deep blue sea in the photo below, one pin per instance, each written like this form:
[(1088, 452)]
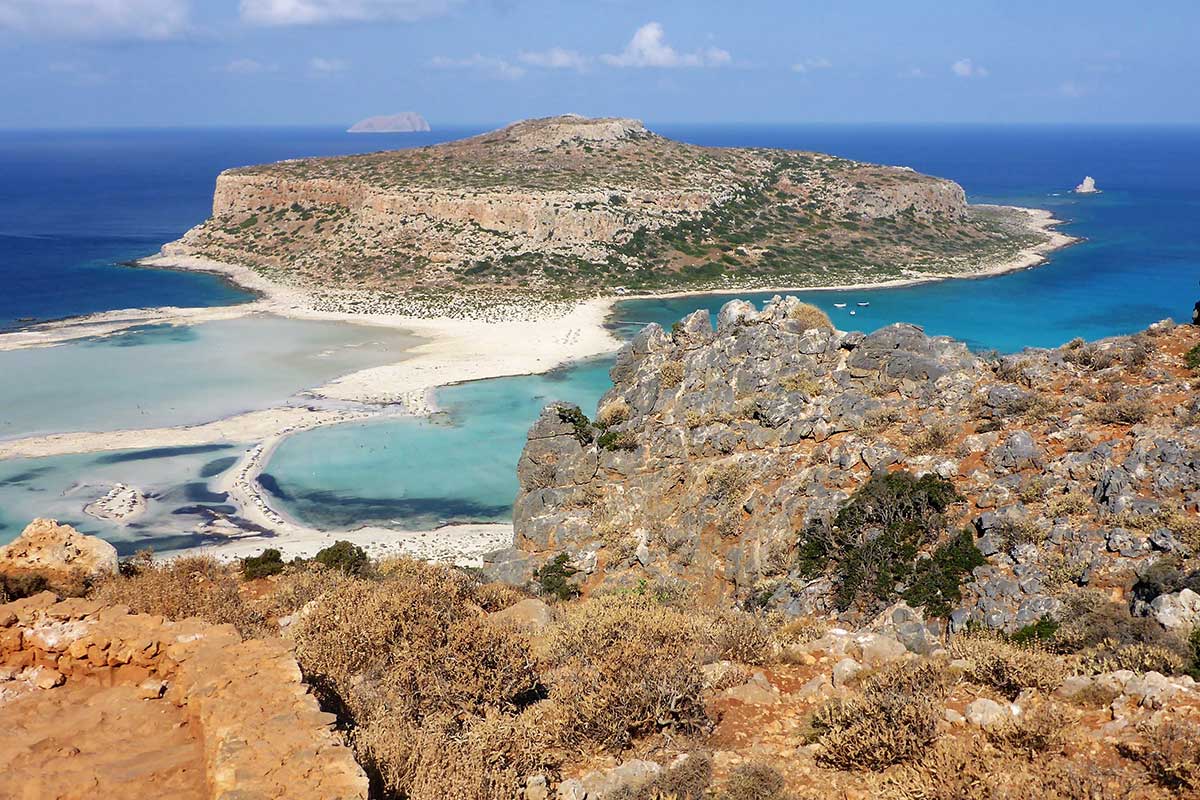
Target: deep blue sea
[(72, 205)]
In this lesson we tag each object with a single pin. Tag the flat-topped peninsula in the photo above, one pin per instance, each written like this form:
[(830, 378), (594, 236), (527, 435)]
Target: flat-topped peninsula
[(569, 206)]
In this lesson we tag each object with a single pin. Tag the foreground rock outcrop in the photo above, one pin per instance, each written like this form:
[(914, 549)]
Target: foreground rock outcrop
[(57, 555), (566, 205), (723, 458), (260, 733)]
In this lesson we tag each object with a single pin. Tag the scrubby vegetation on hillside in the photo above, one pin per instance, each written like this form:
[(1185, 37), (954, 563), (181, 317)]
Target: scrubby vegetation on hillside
[(446, 687)]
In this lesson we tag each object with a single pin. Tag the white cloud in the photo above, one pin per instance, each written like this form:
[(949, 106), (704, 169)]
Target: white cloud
[(247, 66), (1071, 89), (810, 64), (320, 12), (966, 68), (649, 48), (489, 67), (96, 19), (554, 58), (326, 66)]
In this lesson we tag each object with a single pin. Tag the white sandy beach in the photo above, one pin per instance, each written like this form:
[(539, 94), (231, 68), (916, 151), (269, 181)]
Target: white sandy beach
[(453, 351)]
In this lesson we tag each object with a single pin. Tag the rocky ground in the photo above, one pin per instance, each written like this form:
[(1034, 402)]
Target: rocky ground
[(723, 458), (568, 206)]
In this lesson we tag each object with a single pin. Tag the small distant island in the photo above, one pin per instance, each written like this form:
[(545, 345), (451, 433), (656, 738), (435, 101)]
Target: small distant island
[(1088, 186), (404, 122)]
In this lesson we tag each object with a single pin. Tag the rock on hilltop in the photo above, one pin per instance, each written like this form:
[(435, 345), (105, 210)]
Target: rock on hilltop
[(725, 459), (570, 204), (58, 555)]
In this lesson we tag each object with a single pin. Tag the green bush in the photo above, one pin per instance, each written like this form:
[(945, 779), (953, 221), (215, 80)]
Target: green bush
[(270, 562), (617, 440), (1041, 631), (1192, 357), (873, 544), (937, 581), (572, 415), (554, 578), (345, 556)]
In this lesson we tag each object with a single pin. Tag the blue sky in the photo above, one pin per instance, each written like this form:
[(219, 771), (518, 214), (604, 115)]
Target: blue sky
[(71, 63)]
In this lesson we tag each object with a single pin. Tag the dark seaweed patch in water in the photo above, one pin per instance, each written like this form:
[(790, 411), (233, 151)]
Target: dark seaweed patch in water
[(204, 511), (160, 452), (199, 493), (144, 334), (27, 475), (217, 466), (161, 544), (332, 510), (267, 481)]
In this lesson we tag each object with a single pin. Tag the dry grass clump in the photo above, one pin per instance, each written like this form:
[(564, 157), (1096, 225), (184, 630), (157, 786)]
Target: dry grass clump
[(809, 317), (623, 666), (1042, 727), (805, 384), (1170, 754), (801, 630), (193, 586), (739, 636), (1110, 656), (613, 413), (893, 718), (670, 374), (932, 438), (1006, 667), (969, 768), (1070, 504), (754, 782), (1126, 411), (1107, 637), (688, 779), (435, 693)]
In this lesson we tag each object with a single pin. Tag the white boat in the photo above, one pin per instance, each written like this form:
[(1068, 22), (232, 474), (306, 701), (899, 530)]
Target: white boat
[(839, 305), (853, 312), (863, 305)]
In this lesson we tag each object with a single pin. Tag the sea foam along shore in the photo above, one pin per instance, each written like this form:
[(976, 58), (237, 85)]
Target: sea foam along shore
[(455, 350)]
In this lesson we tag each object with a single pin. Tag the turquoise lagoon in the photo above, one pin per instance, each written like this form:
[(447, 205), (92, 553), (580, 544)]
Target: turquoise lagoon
[(457, 466), (164, 375), (175, 479)]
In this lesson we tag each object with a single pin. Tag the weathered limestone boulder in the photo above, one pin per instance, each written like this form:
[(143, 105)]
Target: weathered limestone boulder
[(66, 559), (1178, 611), (600, 784)]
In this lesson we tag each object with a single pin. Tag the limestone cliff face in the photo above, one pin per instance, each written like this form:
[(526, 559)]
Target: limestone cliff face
[(570, 202), (715, 450)]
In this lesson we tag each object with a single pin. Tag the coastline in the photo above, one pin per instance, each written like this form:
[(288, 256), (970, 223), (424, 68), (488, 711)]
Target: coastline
[(454, 351)]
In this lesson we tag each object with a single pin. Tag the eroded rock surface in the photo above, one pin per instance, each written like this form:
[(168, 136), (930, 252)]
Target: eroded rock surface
[(716, 447), (58, 554)]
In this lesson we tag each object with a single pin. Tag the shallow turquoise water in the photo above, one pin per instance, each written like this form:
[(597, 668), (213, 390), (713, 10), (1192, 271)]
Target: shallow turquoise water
[(175, 479), (459, 466), (162, 375)]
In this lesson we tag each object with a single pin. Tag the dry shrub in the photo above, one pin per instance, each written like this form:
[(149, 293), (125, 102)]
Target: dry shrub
[(739, 636), (968, 768), (893, 719), (437, 694), (754, 782), (878, 419), (1126, 411), (1071, 504), (809, 317), (670, 374), (688, 779), (622, 666), (495, 596), (1110, 656), (801, 630), (1041, 727), (1170, 754), (932, 438), (295, 588), (193, 586), (801, 383), (613, 413), (1006, 667)]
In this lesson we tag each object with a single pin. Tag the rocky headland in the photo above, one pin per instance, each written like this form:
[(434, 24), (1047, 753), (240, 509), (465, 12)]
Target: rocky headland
[(755, 463), (568, 206)]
